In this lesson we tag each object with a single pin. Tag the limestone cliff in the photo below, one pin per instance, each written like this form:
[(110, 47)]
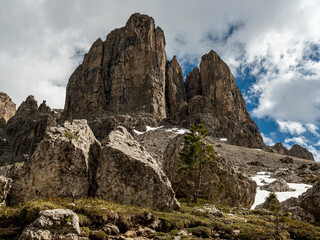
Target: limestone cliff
[(123, 74), (128, 77), (7, 107)]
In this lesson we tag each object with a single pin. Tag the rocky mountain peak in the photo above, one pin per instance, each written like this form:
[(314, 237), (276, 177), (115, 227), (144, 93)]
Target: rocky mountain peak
[(7, 107), (128, 74), (29, 106), (123, 74), (295, 151)]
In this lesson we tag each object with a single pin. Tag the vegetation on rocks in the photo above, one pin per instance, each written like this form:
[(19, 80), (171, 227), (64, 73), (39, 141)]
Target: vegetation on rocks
[(199, 220), (194, 157)]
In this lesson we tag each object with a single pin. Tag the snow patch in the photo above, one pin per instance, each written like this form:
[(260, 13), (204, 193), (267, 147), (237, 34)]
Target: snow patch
[(223, 139), (178, 130), (282, 196), (148, 129)]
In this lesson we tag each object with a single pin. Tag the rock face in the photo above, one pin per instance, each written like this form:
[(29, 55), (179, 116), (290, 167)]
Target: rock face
[(239, 189), (295, 151), (54, 224), (310, 201), (62, 165), (300, 152), (128, 75), (129, 175), (220, 107), (125, 73), (279, 185), (280, 149), (175, 91), (7, 107), (5, 185), (24, 131)]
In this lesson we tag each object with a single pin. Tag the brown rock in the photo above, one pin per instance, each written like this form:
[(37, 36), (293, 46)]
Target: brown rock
[(24, 131), (300, 152), (310, 201), (193, 84), (280, 149), (222, 108), (129, 175), (279, 185), (239, 189), (175, 91), (126, 73), (62, 166), (7, 107)]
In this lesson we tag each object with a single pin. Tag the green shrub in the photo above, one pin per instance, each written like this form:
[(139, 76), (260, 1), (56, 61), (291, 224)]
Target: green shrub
[(70, 135), (98, 235)]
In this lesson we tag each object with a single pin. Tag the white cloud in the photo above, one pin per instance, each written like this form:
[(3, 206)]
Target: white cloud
[(37, 48), (302, 141), (313, 128), (291, 127), (267, 140)]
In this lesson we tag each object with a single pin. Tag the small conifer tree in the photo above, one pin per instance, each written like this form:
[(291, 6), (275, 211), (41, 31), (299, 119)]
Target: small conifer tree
[(194, 156)]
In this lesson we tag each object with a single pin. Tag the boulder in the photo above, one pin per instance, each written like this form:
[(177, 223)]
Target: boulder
[(279, 185), (127, 174), (123, 74), (288, 175), (310, 200), (287, 160), (5, 185), (62, 166), (7, 107), (291, 205), (24, 131), (54, 224), (239, 189)]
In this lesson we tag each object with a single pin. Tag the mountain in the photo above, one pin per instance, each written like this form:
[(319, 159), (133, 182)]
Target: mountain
[(127, 79)]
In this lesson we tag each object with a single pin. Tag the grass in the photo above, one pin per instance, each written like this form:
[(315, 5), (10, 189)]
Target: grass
[(70, 135), (95, 213)]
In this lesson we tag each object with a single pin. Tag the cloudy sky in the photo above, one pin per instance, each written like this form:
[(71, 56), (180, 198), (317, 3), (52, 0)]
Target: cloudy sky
[(271, 46)]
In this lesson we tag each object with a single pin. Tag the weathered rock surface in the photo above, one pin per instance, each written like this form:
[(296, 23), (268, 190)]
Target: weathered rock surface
[(175, 91), (280, 149), (310, 200), (123, 74), (128, 74), (279, 185), (298, 213), (24, 131), (295, 151), (239, 189), (7, 107), (221, 107), (129, 175), (62, 166), (5, 185), (300, 152), (54, 224)]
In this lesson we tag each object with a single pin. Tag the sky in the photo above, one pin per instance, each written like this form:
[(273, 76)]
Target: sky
[(271, 46)]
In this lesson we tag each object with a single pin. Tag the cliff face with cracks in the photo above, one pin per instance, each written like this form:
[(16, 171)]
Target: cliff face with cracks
[(123, 74), (128, 77)]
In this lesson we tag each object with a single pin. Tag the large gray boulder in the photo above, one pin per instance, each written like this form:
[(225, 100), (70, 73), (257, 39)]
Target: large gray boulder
[(62, 165), (54, 224), (5, 185), (310, 200), (239, 189), (279, 185), (127, 174)]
